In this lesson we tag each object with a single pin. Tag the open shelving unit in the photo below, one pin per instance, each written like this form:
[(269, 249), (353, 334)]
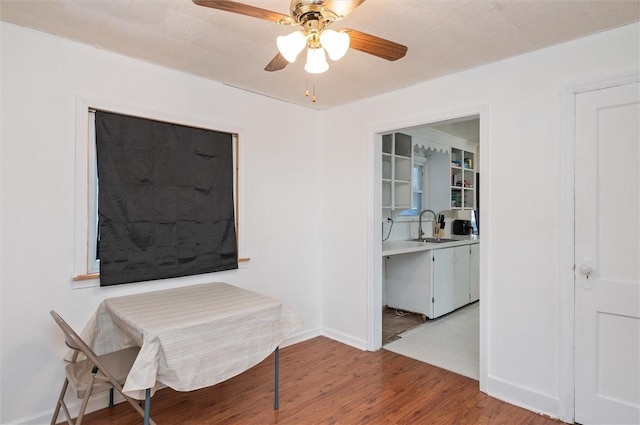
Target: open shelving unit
[(463, 180), (397, 166)]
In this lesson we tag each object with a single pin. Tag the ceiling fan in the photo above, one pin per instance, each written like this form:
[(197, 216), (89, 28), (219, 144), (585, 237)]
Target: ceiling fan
[(314, 17)]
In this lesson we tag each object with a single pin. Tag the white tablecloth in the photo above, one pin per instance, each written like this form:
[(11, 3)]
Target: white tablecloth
[(191, 337)]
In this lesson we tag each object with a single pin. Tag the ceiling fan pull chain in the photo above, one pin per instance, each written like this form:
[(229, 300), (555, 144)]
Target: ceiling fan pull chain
[(314, 91)]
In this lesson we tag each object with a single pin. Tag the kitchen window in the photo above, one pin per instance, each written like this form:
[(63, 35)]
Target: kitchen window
[(417, 190)]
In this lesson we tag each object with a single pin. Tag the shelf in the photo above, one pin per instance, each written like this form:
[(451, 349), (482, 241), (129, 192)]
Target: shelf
[(386, 166), (402, 168), (387, 145), (403, 145), (463, 179), (397, 170), (402, 194)]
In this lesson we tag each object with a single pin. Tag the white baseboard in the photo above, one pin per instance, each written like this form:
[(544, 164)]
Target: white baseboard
[(97, 402), (345, 339), (301, 336), (522, 397)]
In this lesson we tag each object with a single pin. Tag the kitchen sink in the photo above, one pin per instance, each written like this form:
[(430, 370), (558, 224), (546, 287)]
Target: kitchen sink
[(435, 240)]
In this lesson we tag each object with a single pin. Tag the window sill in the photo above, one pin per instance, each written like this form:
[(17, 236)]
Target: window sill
[(92, 280)]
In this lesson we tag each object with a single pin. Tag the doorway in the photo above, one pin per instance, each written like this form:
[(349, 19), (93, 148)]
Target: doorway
[(448, 127)]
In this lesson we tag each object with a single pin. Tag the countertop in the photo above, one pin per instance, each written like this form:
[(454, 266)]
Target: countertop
[(404, 247)]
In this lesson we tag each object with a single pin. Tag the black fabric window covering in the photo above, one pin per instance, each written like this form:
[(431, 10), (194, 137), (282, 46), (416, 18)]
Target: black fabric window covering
[(165, 203)]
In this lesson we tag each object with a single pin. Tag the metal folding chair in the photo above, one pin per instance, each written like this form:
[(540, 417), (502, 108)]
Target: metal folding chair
[(93, 374)]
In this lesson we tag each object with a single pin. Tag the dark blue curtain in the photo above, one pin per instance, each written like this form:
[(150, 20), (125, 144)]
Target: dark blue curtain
[(165, 203)]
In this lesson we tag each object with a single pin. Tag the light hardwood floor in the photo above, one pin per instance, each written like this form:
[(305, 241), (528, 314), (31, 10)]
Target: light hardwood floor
[(325, 382), (451, 342)]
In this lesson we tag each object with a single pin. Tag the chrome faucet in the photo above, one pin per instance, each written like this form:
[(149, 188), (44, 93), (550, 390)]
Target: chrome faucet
[(435, 218)]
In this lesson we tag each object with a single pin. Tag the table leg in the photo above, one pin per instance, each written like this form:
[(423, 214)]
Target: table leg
[(277, 380), (147, 405)]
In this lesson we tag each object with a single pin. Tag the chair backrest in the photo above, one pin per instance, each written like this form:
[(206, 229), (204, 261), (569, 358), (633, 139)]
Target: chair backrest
[(74, 341)]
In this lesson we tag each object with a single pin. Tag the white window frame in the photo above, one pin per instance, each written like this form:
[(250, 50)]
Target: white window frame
[(93, 265), (86, 270), (413, 216)]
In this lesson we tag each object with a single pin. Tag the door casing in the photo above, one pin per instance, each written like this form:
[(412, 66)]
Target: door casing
[(374, 218), (566, 408)]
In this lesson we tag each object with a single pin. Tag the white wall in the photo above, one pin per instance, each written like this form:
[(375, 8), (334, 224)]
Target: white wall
[(521, 202), (41, 77)]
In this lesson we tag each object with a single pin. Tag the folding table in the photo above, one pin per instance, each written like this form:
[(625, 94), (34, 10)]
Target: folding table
[(191, 337)]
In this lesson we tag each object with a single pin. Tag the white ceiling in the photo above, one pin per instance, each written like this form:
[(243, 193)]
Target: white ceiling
[(443, 36), (464, 128)]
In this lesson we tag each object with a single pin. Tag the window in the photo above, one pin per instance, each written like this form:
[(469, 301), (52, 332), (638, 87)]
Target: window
[(418, 184), (417, 190), (87, 252)]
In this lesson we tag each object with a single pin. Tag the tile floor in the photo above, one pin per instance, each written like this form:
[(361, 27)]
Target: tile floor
[(451, 342)]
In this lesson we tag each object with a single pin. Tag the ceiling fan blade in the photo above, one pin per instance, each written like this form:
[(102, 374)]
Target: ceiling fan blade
[(342, 7), (376, 46), (245, 9), (277, 63)]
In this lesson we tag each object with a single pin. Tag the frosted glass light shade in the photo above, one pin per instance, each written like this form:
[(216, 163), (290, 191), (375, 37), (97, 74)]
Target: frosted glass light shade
[(291, 45), (336, 43), (316, 61)]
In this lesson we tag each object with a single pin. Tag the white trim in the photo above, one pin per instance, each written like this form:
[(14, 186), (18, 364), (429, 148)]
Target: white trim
[(483, 163), (345, 338), (2, 238), (566, 403), (598, 84), (82, 190), (515, 394), (426, 145), (374, 218), (430, 138), (566, 364), (93, 265), (82, 182), (374, 244)]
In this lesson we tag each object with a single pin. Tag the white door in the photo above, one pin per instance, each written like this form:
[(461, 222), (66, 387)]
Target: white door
[(607, 256)]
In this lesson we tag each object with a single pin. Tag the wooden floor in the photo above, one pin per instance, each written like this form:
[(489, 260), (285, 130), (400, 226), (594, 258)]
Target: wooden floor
[(326, 382)]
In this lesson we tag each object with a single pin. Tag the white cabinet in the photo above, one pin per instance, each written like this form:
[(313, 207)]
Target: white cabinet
[(443, 291), (460, 276), (450, 279), (463, 180), (433, 282), (407, 282), (397, 169), (474, 272)]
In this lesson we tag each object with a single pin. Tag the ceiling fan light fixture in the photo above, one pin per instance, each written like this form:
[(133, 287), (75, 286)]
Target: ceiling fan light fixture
[(336, 43), (291, 45), (316, 61)]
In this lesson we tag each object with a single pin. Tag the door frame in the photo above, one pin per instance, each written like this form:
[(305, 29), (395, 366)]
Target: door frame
[(566, 407), (374, 218)]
